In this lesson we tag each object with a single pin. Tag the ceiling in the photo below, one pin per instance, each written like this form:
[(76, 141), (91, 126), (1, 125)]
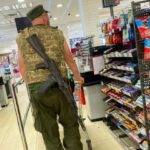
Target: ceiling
[(67, 14), (10, 9)]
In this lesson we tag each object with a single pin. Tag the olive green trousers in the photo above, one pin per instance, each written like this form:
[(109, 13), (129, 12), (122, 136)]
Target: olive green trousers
[(47, 110)]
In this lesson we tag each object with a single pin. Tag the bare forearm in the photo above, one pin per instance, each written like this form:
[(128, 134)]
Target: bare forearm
[(72, 65)]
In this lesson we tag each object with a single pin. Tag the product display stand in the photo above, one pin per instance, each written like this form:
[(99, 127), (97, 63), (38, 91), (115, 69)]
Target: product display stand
[(124, 98), (141, 9)]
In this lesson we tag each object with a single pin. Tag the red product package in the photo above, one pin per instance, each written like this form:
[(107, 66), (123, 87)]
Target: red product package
[(147, 49), (143, 24), (115, 24)]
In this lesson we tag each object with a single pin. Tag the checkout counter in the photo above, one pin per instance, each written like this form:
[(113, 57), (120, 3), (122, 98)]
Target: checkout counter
[(95, 105)]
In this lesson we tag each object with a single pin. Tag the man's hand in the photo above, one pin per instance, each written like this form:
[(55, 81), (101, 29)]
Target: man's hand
[(79, 79)]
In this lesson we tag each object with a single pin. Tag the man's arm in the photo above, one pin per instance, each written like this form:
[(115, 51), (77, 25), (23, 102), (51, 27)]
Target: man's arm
[(21, 66), (71, 63)]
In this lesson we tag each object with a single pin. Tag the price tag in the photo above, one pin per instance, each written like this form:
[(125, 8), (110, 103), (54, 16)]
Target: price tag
[(145, 5)]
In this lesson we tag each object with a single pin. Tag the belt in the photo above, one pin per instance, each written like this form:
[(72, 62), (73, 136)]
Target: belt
[(36, 86)]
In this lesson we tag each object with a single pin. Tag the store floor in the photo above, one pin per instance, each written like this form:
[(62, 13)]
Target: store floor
[(102, 138)]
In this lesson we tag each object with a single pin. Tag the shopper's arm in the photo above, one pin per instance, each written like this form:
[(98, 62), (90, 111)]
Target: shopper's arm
[(71, 63), (21, 66)]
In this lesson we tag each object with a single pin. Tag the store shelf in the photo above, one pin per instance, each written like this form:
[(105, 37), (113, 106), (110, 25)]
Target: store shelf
[(117, 78), (127, 117), (135, 120), (120, 90), (118, 101), (128, 132), (123, 68), (119, 98), (125, 142), (140, 103), (141, 121), (121, 54)]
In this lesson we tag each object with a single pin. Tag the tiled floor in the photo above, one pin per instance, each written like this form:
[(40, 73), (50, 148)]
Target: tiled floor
[(10, 137)]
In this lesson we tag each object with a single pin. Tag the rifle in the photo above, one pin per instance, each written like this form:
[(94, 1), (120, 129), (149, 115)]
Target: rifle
[(55, 78)]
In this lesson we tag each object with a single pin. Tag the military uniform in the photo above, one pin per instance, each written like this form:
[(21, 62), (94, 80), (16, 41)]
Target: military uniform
[(47, 107)]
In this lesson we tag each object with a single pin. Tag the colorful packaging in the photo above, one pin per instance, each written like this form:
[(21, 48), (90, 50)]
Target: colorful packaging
[(115, 24), (147, 49), (105, 28), (123, 19), (126, 35), (109, 26), (130, 17), (132, 34), (143, 25), (117, 38)]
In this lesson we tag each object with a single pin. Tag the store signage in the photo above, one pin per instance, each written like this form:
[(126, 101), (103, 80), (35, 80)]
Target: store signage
[(109, 3)]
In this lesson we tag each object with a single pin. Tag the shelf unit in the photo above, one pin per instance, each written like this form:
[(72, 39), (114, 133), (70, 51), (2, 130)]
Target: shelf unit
[(124, 68), (136, 120), (124, 54), (142, 9), (106, 73), (128, 76), (135, 137)]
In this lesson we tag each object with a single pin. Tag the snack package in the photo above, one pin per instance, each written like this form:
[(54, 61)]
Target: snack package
[(123, 19), (111, 39), (147, 49), (109, 26), (117, 39), (105, 28), (115, 24), (143, 25), (130, 17), (126, 35), (131, 33)]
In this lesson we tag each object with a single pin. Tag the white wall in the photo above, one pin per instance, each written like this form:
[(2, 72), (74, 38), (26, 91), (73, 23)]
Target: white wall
[(72, 30), (90, 17)]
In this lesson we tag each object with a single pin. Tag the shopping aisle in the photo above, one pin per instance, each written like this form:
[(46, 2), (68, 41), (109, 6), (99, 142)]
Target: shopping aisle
[(10, 138)]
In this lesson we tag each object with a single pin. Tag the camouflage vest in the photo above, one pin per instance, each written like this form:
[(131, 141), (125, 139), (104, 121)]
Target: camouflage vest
[(53, 42)]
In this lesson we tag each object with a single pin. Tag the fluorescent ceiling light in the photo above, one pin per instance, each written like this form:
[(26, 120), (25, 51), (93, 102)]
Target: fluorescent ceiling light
[(17, 6), (24, 5), (20, 1), (77, 15), (59, 5), (30, 4), (6, 7), (13, 6), (12, 21), (2, 22), (55, 18)]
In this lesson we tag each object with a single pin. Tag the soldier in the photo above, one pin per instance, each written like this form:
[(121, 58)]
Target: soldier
[(47, 107)]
